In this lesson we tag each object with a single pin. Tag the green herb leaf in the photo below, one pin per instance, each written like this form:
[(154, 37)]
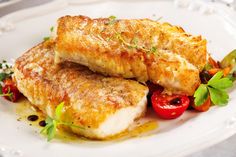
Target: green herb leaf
[(59, 110), (223, 83), (216, 86), (112, 20), (51, 29), (51, 124), (216, 77), (112, 17), (153, 49), (3, 76), (49, 120), (51, 131), (46, 38), (218, 97), (200, 95)]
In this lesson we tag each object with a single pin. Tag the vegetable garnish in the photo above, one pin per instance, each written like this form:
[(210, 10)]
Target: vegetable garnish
[(112, 20), (169, 106), (6, 70), (51, 29), (8, 89), (216, 88), (7, 94), (47, 37), (229, 61), (52, 124)]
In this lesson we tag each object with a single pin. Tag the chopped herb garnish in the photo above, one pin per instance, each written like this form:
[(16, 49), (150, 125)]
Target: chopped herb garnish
[(51, 123), (51, 29), (153, 49), (46, 38), (215, 88), (112, 20), (134, 44)]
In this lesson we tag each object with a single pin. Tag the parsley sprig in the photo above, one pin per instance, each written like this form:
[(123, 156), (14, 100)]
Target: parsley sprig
[(215, 88), (52, 123)]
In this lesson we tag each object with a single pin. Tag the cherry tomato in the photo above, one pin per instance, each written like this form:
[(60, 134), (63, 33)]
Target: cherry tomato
[(10, 90), (202, 108), (169, 107)]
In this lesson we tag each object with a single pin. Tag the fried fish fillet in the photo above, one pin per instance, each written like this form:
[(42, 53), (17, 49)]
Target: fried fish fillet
[(103, 106), (141, 49)]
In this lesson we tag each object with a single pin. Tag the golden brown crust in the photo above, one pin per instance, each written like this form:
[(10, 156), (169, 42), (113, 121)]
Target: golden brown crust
[(90, 98), (126, 48)]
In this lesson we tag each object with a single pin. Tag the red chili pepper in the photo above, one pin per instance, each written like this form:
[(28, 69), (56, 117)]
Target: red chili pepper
[(169, 107)]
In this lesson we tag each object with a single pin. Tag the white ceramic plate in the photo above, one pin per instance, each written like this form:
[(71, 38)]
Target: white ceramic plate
[(6, 3), (187, 134)]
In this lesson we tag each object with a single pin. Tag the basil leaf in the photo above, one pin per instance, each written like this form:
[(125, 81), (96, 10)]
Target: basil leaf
[(223, 83), (200, 95), (218, 97)]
